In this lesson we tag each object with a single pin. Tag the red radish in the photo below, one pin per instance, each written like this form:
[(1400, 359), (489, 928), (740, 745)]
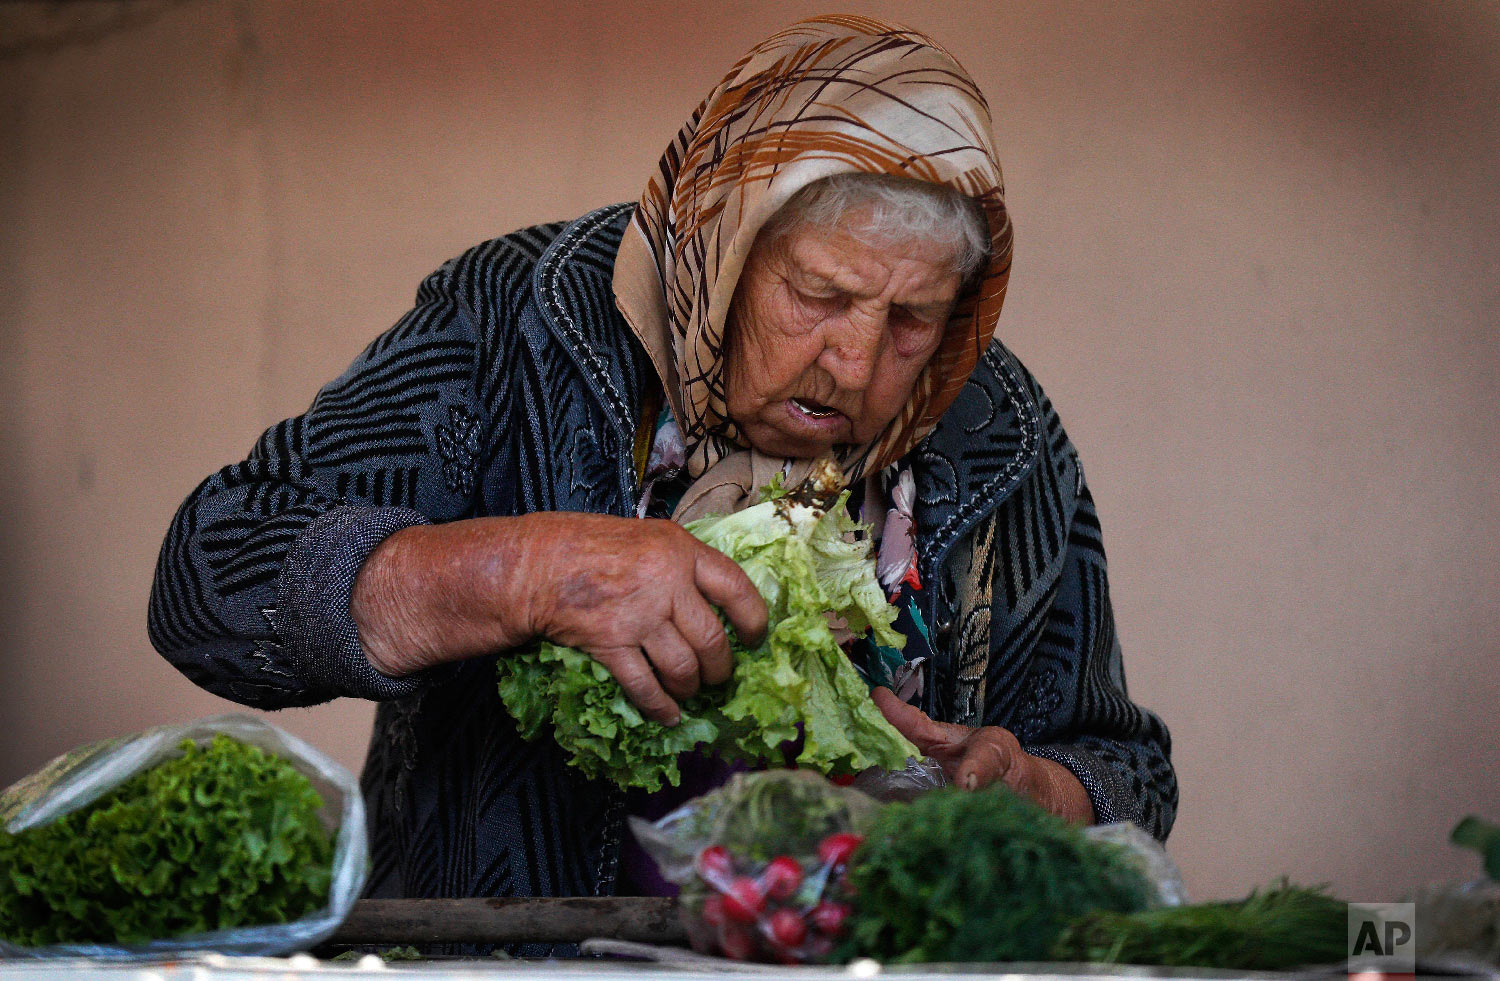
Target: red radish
[(786, 928), (713, 910), (715, 866), (781, 878), (829, 917), (743, 900), (736, 941), (836, 848)]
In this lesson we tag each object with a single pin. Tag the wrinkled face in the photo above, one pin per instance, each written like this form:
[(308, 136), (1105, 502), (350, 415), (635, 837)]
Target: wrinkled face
[(827, 336)]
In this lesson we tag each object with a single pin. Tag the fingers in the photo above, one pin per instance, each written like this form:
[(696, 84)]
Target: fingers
[(931, 737), (634, 674), (703, 635), (674, 660), (725, 585), (992, 755), (972, 758)]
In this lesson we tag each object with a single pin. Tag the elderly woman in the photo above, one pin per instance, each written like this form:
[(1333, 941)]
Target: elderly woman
[(816, 266)]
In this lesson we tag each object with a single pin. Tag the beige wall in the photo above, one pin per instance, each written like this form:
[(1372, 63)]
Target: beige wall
[(1257, 266)]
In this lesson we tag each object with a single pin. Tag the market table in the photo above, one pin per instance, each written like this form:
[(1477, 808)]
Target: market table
[(644, 929), (214, 967), (626, 938)]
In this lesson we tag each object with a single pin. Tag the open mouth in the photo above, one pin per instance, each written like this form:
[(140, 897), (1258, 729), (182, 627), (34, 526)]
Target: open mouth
[(816, 410)]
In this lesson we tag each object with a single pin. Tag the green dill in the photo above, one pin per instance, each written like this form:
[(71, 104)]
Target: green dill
[(224, 835), (983, 876), (1282, 927)]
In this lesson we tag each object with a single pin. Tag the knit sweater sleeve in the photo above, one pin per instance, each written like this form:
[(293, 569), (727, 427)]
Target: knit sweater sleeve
[(252, 587), (1077, 710)]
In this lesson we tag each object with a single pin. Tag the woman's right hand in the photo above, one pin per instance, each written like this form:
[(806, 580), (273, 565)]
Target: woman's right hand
[(637, 595)]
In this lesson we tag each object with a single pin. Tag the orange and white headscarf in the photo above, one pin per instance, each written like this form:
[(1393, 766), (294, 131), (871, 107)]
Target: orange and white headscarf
[(825, 96)]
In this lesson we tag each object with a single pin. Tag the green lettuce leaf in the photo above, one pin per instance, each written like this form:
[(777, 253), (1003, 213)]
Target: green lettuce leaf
[(224, 835), (808, 563)]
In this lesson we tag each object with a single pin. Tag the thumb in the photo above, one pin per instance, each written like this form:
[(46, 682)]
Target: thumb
[(915, 724)]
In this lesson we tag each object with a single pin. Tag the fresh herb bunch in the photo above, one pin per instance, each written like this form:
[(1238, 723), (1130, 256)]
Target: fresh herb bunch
[(224, 835), (982, 875), (808, 558), (1282, 927)]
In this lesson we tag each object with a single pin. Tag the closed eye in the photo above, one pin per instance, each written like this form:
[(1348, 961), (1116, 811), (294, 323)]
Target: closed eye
[(822, 296), (922, 316), (913, 334)]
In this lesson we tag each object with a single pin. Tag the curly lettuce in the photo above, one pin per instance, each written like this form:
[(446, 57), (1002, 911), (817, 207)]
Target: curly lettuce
[(810, 560), (224, 835)]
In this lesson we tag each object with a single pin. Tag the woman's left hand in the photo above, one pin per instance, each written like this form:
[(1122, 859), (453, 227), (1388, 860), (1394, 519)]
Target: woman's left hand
[(974, 758)]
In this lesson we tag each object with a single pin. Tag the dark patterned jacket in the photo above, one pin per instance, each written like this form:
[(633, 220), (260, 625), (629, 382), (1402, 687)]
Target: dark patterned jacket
[(514, 386)]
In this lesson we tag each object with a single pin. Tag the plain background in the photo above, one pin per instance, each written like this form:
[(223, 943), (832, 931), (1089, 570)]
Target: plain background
[(1257, 267)]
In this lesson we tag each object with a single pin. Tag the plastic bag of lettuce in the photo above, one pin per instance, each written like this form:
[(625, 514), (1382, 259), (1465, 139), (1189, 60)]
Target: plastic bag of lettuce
[(226, 834)]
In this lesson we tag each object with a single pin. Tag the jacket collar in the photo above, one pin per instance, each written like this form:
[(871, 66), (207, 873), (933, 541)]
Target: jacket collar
[(985, 445), (572, 286), (987, 442)]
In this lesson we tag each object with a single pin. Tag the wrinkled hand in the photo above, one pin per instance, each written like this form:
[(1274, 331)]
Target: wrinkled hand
[(974, 758), (639, 596)]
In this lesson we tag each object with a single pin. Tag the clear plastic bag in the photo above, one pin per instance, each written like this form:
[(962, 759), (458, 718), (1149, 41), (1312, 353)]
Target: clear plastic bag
[(919, 776), (1149, 855), (761, 863), (1459, 920), (80, 777)]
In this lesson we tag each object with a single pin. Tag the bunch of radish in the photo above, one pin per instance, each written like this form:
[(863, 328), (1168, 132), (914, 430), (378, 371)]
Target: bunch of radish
[(785, 911)]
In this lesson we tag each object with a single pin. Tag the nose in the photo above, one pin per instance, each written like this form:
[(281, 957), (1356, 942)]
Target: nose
[(852, 349)]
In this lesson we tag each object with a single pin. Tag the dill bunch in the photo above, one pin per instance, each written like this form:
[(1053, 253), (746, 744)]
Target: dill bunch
[(1282, 927), (982, 875)]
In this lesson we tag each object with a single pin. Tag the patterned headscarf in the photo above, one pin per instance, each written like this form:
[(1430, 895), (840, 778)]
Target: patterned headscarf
[(825, 96)]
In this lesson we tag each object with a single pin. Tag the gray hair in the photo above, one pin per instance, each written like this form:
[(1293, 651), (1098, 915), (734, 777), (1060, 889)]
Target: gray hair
[(897, 209)]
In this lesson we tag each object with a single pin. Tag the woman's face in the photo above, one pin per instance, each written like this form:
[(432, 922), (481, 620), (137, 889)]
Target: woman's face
[(828, 334)]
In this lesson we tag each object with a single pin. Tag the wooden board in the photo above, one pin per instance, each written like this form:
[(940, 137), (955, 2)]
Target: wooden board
[(648, 919)]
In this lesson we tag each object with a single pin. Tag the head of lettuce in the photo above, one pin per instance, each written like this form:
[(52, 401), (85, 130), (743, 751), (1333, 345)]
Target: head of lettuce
[(810, 562)]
